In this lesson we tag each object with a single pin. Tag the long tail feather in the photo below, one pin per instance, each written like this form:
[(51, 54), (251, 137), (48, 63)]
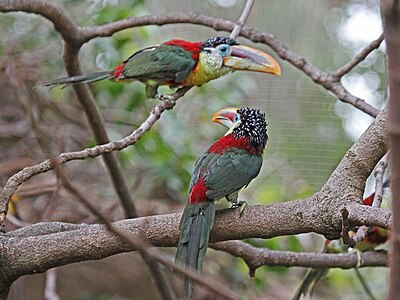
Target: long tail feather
[(196, 223), (85, 78)]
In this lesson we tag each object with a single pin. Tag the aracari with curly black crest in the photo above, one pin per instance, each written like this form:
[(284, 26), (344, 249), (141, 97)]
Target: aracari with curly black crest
[(180, 63), (230, 164)]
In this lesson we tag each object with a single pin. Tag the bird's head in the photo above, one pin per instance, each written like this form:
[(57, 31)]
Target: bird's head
[(244, 122), (225, 54)]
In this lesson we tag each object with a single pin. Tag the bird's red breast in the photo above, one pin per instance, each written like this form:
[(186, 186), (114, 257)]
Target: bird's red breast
[(229, 142)]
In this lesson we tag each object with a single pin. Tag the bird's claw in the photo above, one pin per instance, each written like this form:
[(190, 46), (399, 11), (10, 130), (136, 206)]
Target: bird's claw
[(242, 204)]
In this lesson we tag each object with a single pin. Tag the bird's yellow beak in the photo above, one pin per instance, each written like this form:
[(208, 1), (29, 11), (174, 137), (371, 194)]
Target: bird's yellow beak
[(247, 58), (226, 116)]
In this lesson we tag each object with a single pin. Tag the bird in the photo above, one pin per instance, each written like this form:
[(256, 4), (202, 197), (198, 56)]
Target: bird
[(228, 165), (375, 236), (180, 63)]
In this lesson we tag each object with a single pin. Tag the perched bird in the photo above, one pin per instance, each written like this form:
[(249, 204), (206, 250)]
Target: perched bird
[(375, 236), (226, 167), (180, 63)]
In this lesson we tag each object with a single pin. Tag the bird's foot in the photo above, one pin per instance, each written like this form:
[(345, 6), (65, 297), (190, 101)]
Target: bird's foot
[(240, 204), (167, 98)]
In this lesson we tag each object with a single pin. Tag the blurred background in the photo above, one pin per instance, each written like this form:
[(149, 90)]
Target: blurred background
[(309, 132)]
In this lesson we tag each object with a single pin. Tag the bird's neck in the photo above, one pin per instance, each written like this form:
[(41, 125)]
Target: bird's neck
[(207, 68), (230, 142)]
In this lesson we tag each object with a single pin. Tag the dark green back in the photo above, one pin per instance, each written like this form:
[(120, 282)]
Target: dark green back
[(166, 63), (227, 172)]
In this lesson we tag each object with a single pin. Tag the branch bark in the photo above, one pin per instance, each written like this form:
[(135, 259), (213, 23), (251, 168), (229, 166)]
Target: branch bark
[(391, 13), (256, 257)]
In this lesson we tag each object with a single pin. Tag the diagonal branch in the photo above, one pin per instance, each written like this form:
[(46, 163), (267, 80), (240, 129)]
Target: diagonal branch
[(242, 20), (96, 122), (359, 57)]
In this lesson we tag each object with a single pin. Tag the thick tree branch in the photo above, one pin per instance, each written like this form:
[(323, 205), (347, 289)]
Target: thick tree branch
[(391, 14), (95, 241)]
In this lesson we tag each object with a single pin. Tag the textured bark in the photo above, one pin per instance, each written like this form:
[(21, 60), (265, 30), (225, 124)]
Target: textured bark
[(391, 13)]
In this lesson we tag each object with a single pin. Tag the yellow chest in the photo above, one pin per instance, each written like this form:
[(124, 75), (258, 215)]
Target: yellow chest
[(204, 73)]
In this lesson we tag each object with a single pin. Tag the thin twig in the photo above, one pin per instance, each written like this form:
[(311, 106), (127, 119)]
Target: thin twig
[(359, 57), (50, 289), (242, 20), (379, 184), (364, 284), (345, 234)]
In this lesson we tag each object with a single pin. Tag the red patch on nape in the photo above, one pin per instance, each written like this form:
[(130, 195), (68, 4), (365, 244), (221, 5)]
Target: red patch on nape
[(118, 70), (368, 201), (195, 47), (229, 141), (198, 192)]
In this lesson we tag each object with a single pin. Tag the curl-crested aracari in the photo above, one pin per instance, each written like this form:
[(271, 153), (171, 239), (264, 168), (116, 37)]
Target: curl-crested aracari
[(230, 164), (180, 63), (375, 236)]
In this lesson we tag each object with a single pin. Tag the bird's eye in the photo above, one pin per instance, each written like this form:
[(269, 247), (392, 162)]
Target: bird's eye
[(223, 50), (236, 118)]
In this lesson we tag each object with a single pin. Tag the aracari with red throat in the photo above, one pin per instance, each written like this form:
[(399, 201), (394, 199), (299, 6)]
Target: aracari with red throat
[(228, 165)]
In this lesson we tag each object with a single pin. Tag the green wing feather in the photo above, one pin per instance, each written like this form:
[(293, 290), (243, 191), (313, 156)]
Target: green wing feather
[(232, 171), (166, 63)]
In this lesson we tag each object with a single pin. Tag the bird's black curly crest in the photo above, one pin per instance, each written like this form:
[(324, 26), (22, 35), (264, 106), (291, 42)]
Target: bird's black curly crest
[(253, 125), (219, 40)]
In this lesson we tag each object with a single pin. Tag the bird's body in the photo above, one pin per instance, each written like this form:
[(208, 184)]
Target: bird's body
[(180, 63), (226, 167)]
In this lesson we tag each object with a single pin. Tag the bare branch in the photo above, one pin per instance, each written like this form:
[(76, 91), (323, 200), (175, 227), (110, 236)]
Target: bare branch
[(257, 257), (242, 20), (50, 289), (96, 122), (345, 234), (390, 10), (379, 172), (359, 57)]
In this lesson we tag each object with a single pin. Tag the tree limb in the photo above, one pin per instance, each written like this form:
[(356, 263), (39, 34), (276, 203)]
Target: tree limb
[(257, 257), (242, 20)]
